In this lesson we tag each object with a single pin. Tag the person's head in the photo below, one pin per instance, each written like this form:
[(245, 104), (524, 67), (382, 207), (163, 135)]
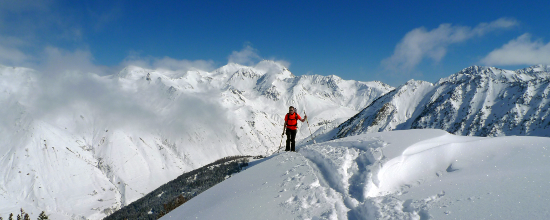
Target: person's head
[(291, 109)]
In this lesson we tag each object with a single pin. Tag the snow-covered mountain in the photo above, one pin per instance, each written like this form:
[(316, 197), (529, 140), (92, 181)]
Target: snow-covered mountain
[(80, 145), (477, 101), (412, 174)]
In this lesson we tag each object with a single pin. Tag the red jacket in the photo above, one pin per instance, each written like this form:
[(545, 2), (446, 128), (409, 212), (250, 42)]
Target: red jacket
[(292, 120)]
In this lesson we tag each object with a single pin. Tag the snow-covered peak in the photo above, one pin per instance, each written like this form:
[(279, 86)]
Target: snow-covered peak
[(480, 101), (270, 66), (534, 73), (275, 69), (107, 141), (229, 68), (132, 72), (474, 70), (537, 70), (413, 85), (385, 113)]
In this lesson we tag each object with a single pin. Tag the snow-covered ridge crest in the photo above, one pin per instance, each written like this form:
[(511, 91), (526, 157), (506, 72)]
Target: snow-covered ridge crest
[(412, 174), (534, 73), (479, 101), (108, 140), (386, 112)]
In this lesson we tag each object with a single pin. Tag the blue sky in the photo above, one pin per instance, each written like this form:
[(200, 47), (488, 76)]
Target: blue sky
[(389, 41)]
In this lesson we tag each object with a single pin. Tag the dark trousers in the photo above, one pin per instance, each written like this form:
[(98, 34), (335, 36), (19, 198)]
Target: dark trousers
[(290, 140)]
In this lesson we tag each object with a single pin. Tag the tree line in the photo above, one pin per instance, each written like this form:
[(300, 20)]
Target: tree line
[(180, 190), (26, 216)]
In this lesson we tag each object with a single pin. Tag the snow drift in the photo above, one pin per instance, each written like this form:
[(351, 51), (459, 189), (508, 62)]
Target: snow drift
[(413, 174)]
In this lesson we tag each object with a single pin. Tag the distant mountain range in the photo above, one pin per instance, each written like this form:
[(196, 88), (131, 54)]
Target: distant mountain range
[(477, 101), (80, 145)]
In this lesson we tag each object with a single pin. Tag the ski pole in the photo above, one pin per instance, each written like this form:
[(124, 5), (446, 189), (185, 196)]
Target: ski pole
[(280, 144), (310, 134)]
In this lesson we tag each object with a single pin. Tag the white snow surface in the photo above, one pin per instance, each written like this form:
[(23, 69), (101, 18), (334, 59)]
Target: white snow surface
[(80, 145), (409, 174)]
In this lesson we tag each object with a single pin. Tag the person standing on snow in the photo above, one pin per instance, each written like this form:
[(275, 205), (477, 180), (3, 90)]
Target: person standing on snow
[(291, 124)]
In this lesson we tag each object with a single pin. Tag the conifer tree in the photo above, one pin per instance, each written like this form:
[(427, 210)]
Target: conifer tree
[(23, 215), (42, 216)]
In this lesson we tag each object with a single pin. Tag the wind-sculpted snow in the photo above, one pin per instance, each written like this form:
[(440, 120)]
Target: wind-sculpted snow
[(477, 101), (413, 174), (80, 145)]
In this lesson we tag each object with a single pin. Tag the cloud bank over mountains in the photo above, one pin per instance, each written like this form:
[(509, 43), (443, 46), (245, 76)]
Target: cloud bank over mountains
[(24, 47), (520, 51), (420, 43)]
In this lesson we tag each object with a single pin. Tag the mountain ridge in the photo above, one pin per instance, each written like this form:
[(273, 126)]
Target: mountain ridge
[(462, 104), (109, 140), (120, 136)]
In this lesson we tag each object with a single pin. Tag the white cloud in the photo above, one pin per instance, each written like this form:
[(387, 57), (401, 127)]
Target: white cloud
[(173, 64), (26, 25), (69, 83), (56, 61), (282, 62), (12, 56), (420, 43), (520, 51), (248, 56), (30, 19), (501, 23), (168, 63), (38, 22)]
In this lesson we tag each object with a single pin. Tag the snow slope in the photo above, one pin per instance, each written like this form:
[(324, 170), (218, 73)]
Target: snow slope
[(412, 174), (79, 145), (477, 101)]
